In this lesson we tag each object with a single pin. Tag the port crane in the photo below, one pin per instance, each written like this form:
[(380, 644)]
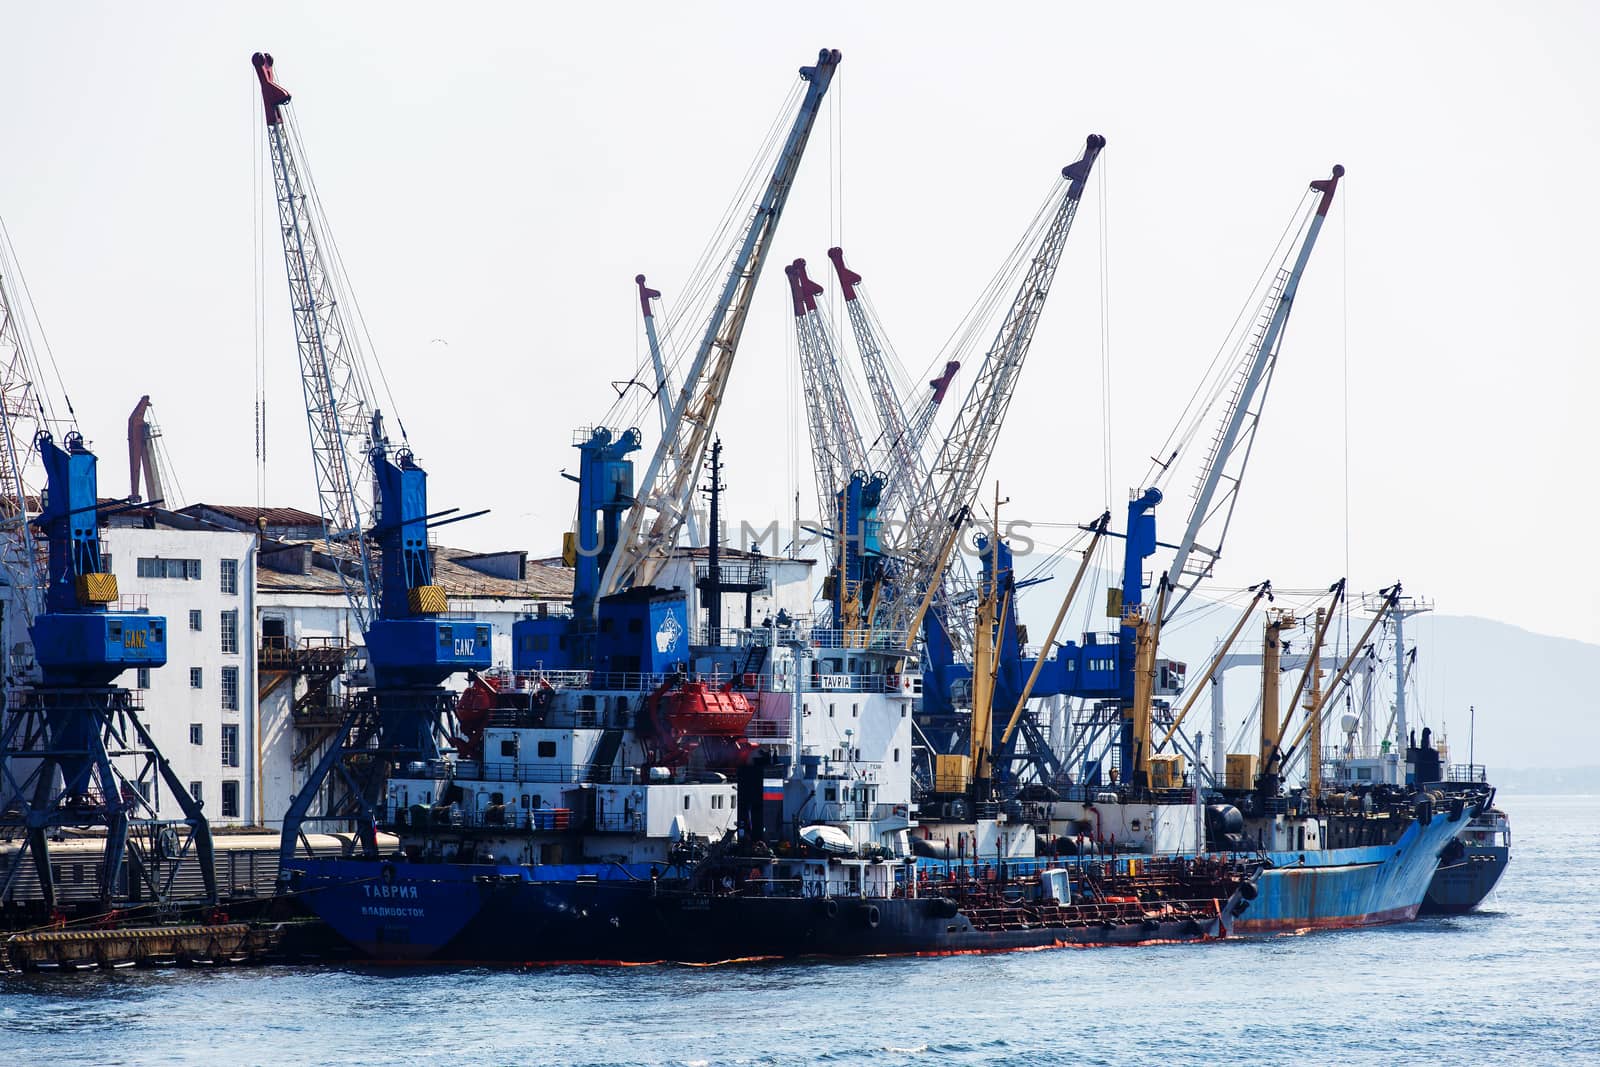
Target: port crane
[(1216, 490), (74, 749), (373, 498), (1115, 678), (902, 435), (654, 518), (848, 496), (945, 499)]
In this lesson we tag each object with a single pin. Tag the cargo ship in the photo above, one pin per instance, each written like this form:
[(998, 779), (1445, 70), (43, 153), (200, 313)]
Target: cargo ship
[(689, 812)]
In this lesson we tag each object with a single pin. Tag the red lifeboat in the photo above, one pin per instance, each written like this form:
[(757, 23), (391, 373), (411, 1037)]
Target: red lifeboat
[(473, 707), (696, 719), (694, 708)]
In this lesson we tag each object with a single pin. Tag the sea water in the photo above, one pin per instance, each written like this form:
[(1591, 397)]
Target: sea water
[(1516, 981)]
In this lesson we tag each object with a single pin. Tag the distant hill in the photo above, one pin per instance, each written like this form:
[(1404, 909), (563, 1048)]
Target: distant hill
[(1535, 694)]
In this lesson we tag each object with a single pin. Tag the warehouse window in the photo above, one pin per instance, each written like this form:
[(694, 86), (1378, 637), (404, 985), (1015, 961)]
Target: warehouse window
[(142, 678), (196, 678), (156, 567), (196, 620), (230, 688), (197, 734), (230, 800), (230, 576), (194, 791), (230, 631), (230, 745)]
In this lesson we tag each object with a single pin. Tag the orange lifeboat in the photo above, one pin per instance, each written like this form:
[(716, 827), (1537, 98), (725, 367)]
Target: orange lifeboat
[(694, 719)]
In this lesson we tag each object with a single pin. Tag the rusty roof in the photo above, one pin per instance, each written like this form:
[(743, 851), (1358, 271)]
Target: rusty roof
[(248, 515), (458, 581)]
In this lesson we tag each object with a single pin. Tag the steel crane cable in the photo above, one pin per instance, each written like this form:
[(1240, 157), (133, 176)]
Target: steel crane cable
[(965, 336), (1220, 374), (29, 352), (365, 353), (1105, 330), (705, 273)]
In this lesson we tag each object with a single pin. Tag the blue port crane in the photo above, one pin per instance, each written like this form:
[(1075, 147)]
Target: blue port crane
[(373, 499), (74, 749)]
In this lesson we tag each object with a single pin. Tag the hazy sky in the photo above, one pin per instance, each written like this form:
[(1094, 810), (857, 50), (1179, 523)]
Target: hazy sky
[(498, 174)]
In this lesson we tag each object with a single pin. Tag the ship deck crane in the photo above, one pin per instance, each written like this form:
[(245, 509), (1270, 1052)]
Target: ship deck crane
[(902, 436), (1217, 487), (74, 750), (666, 490), (379, 543), (1242, 393)]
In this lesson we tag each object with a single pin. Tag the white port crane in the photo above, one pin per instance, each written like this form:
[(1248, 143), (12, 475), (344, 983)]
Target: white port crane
[(946, 498), (1216, 490), (666, 491)]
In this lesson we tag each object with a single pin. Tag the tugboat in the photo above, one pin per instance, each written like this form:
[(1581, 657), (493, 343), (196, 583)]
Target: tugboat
[(1469, 869)]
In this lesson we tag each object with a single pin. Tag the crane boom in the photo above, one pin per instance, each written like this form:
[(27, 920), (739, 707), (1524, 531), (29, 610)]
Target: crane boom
[(1229, 453), (663, 388), (338, 409), (902, 436), (666, 490), (21, 420), (836, 448), (904, 455), (963, 458)]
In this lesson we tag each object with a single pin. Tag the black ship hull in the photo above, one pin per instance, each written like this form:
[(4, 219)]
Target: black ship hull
[(1463, 882), (433, 915)]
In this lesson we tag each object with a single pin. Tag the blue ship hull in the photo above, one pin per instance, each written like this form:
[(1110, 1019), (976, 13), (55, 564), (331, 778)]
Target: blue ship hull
[(1343, 887)]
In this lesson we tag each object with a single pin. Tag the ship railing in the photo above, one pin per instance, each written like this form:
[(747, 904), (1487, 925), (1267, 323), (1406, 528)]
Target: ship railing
[(825, 682), (768, 730), (511, 816), (541, 773), (1473, 773), (615, 681), (742, 576), (771, 887), (802, 633), (544, 609), (850, 811)]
